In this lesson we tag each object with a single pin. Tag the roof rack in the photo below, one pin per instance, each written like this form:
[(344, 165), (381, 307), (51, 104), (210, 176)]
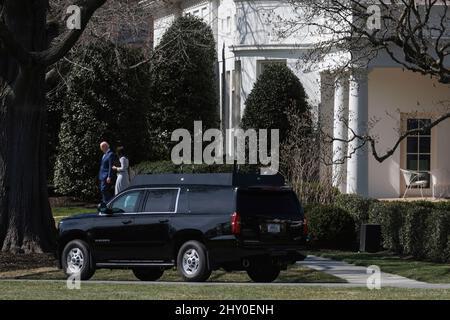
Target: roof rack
[(211, 179)]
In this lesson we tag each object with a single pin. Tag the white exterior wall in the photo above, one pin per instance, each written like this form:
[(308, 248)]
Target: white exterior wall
[(393, 91)]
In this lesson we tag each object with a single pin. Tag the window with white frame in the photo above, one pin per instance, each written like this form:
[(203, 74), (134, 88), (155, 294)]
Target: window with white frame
[(418, 148)]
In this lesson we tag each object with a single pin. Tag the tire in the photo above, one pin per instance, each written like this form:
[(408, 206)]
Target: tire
[(192, 262), (76, 259), (263, 272), (152, 274)]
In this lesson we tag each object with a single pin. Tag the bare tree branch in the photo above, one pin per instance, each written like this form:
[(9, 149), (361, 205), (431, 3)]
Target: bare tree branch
[(56, 52)]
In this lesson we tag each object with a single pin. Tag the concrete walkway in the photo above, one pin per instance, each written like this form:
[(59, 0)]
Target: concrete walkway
[(358, 276)]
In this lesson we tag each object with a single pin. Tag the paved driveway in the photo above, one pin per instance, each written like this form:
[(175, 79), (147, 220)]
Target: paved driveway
[(358, 276)]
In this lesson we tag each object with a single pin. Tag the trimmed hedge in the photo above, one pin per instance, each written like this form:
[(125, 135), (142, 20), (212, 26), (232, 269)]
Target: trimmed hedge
[(168, 167), (437, 239), (389, 216), (331, 227), (357, 206), (419, 229), (412, 232)]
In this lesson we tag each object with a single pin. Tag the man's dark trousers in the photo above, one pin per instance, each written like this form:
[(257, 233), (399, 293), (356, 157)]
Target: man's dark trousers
[(106, 191), (106, 172)]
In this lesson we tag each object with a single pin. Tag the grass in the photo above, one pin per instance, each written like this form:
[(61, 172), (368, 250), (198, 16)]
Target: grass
[(69, 211), (295, 274), (92, 291), (406, 267), (61, 212)]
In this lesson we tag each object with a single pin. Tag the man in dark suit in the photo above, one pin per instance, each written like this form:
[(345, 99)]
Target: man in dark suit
[(106, 173)]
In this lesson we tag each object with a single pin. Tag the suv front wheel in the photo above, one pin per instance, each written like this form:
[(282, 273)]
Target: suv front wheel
[(76, 260), (192, 262)]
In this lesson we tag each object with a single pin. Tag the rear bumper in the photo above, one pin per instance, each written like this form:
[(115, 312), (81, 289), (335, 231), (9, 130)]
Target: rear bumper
[(240, 250), (289, 252)]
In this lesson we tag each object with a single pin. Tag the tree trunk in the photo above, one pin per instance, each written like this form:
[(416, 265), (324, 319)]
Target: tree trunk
[(26, 221)]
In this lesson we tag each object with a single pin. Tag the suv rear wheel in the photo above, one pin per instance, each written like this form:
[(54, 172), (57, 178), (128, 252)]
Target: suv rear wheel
[(152, 274), (76, 260), (192, 262), (263, 272)]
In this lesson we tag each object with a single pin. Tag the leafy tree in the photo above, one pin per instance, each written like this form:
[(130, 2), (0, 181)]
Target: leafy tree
[(277, 92), (184, 81), (105, 100)]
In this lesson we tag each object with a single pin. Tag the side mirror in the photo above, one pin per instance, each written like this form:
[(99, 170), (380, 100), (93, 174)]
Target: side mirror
[(103, 209)]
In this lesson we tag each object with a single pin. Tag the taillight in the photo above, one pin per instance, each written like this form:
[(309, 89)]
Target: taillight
[(305, 227), (235, 223)]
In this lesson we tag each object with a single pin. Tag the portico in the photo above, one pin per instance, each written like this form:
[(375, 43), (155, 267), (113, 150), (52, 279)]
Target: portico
[(350, 119), (382, 102)]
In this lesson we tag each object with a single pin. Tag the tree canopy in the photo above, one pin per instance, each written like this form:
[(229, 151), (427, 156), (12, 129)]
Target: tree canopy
[(104, 100), (184, 79), (276, 92)]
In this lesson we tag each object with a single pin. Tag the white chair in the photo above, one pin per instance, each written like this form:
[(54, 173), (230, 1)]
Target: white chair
[(414, 179), (441, 183)]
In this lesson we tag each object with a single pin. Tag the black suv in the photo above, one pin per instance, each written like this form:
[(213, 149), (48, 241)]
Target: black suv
[(194, 222)]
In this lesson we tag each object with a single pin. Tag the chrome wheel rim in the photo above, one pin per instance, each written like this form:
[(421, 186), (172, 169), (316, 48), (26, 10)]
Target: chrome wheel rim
[(75, 261), (191, 261)]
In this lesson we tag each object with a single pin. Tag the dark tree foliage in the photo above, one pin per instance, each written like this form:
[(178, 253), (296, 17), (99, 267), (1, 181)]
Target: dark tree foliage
[(104, 100), (184, 81), (276, 92)]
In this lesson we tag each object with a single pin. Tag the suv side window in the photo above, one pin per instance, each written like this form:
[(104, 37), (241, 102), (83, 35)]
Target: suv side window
[(161, 201), (207, 199), (126, 203)]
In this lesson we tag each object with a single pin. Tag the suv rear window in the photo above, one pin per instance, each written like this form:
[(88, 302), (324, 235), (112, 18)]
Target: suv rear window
[(214, 200), (260, 202), (161, 200)]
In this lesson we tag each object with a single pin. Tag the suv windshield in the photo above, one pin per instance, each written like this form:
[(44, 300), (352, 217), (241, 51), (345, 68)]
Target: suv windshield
[(261, 202)]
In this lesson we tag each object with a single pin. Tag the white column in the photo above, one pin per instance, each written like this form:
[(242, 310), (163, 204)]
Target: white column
[(340, 133), (358, 164)]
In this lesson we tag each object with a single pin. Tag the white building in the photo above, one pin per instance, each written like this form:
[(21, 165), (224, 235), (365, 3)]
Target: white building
[(383, 92)]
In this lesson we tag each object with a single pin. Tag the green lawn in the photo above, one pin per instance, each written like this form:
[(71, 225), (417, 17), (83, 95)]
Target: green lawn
[(91, 291), (407, 267), (294, 274), (69, 211), (61, 212)]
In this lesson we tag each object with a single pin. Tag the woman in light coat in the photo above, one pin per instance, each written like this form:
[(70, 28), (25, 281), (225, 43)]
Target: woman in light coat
[(123, 177)]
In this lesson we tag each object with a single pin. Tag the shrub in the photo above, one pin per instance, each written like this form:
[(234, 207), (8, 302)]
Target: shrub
[(183, 82), (315, 192), (331, 227), (390, 217), (442, 205), (103, 102), (357, 206), (155, 167), (277, 91), (412, 233), (438, 236)]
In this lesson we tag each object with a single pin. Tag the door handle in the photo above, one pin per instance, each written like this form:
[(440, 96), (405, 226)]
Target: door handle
[(164, 221), (127, 221)]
